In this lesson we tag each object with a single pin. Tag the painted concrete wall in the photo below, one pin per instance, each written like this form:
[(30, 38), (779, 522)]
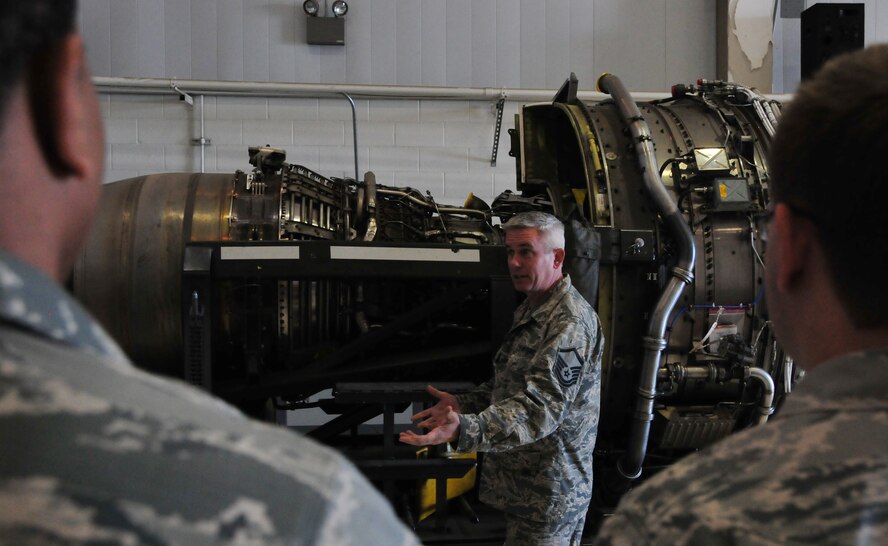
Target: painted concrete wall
[(440, 146)]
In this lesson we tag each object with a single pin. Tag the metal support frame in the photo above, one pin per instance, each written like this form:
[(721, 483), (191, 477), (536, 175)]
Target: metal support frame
[(389, 469), (204, 265)]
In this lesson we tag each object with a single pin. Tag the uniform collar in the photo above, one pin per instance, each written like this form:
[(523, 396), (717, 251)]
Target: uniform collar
[(527, 312)]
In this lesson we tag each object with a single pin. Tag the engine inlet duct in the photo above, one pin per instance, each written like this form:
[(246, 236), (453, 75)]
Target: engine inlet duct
[(268, 286)]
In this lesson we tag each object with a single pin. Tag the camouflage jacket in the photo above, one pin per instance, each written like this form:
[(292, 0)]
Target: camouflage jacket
[(816, 474), (538, 417), (94, 451)]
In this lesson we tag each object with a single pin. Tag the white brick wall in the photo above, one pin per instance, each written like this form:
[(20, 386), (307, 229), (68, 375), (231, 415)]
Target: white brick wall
[(391, 158), (138, 157), (436, 145), (411, 134)]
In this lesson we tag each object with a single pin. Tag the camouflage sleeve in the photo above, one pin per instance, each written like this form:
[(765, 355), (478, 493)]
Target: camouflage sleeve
[(360, 515), (550, 384), (621, 529), (477, 400), (107, 454)]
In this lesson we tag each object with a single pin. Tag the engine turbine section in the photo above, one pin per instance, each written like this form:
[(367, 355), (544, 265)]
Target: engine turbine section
[(675, 189)]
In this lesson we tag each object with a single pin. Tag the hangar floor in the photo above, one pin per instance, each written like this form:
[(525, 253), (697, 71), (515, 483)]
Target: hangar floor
[(462, 528)]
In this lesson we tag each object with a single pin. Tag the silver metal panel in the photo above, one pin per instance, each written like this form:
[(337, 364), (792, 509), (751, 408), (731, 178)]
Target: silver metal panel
[(358, 35), (408, 29), (383, 37), (403, 254), (307, 61), (696, 431), (230, 42), (125, 54), (557, 42), (879, 15), (459, 42), (630, 40), (582, 22), (508, 43), (204, 55), (177, 38), (281, 37), (259, 253), (484, 33), (712, 159), (96, 28), (434, 42), (777, 44), (533, 44), (333, 63), (690, 55), (151, 33), (871, 31), (256, 40), (792, 54)]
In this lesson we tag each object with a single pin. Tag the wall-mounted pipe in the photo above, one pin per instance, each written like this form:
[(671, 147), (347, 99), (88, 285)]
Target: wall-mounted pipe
[(203, 137), (354, 131), (268, 89), (682, 274)]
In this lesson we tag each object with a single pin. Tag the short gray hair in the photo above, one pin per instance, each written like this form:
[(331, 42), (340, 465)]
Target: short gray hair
[(551, 229)]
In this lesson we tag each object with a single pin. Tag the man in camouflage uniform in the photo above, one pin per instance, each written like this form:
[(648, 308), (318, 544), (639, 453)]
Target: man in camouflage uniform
[(818, 472), (93, 451), (538, 417)]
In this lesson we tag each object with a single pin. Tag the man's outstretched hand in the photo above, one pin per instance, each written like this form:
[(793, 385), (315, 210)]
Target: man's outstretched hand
[(442, 419)]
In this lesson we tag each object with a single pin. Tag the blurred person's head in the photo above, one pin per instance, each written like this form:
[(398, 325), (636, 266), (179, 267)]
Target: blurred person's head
[(51, 139), (828, 188)]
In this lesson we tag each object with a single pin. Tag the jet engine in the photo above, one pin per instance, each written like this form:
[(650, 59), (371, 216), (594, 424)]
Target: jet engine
[(270, 285)]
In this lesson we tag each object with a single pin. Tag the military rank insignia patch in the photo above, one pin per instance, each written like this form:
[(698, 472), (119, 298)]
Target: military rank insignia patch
[(568, 364)]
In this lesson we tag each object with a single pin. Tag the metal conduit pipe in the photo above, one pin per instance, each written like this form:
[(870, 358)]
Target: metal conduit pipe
[(354, 129), (757, 105), (765, 407), (771, 112), (270, 89), (682, 274), (429, 206), (706, 373), (106, 84), (203, 137)]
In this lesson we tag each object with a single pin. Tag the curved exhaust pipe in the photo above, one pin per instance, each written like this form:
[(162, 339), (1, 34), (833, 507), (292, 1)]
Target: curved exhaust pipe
[(682, 274)]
